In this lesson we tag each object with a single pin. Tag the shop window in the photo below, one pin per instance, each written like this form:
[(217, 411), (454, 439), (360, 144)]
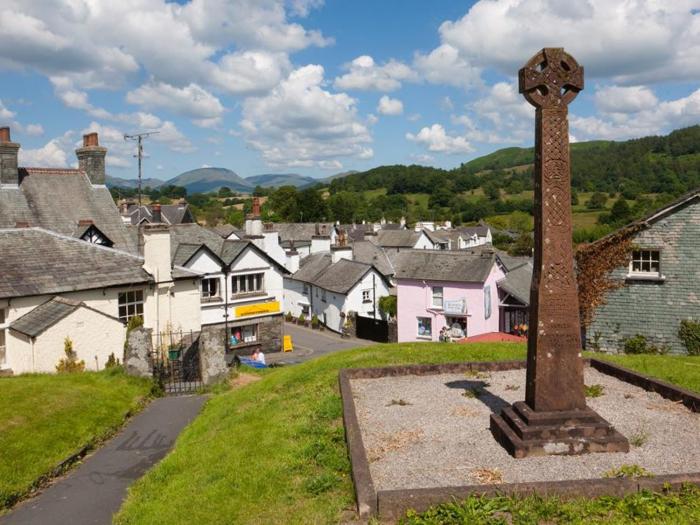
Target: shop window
[(425, 327), (130, 304), (244, 334)]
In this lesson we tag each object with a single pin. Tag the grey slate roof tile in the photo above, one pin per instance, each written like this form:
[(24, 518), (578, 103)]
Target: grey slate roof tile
[(517, 283), (48, 314), (455, 266)]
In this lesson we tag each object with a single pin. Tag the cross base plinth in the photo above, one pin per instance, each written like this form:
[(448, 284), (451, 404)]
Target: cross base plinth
[(524, 432)]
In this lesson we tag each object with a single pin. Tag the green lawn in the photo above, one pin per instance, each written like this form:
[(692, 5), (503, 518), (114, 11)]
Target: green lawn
[(681, 370), (274, 451), (46, 418)]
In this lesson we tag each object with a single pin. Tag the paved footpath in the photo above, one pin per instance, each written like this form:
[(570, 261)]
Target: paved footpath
[(309, 344), (93, 492)]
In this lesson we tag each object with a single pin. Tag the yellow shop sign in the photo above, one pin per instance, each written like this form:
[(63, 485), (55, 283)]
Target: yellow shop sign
[(257, 309)]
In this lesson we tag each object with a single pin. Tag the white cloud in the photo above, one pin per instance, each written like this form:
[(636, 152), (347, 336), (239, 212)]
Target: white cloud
[(621, 99), (300, 124), (364, 74), (634, 41), (190, 101), (303, 7), (436, 139), (5, 113), (444, 65), (659, 118), (390, 106), (53, 154), (422, 158), (446, 103)]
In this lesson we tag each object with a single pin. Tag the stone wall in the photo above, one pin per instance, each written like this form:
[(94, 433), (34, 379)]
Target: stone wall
[(212, 354), (393, 331), (269, 334), (138, 351), (655, 308)]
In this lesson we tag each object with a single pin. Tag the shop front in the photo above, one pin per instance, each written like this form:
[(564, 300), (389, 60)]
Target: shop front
[(257, 325)]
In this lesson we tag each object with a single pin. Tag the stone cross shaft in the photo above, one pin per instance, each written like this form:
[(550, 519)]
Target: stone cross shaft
[(550, 81)]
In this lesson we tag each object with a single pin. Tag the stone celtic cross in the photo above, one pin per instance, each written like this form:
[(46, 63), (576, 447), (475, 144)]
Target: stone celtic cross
[(550, 81), (554, 418)]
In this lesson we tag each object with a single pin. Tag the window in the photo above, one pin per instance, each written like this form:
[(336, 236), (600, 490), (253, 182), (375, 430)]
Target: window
[(2, 336), (252, 283), (487, 301), (244, 334), (323, 296), (366, 297), (425, 327), (437, 296), (130, 304), (646, 263), (210, 288), (306, 289)]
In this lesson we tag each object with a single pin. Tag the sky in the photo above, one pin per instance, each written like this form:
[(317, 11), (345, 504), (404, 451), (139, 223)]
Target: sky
[(320, 87)]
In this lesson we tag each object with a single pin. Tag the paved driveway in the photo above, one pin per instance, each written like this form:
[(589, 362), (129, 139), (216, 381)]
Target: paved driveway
[(95, 490), (309, 344)]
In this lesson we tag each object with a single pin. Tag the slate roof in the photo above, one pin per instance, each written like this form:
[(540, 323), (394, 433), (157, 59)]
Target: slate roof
[(301, 231), (224, 230), (440, 265), (511, 262), (187, 239), (397, 238), (369, 253), (35, 261), (441, 236), (48, 314), (169, 213), (517, 283), (480, 230), (340, 277), (58, 199)]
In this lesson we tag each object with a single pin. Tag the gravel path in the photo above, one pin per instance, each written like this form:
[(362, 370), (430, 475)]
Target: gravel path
[(422, 431)]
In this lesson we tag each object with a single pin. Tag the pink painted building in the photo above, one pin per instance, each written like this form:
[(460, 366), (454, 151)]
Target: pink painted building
[(437, 289)]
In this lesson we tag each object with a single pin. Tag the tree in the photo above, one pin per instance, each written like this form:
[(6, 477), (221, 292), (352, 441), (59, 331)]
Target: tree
[(620, 213), (70, 363), (312, 207), (492, 192), (225, 191), (522, 246), (387, 305), (347, 206), (520, 222), (597, 201), (284, 203), (440, 198)]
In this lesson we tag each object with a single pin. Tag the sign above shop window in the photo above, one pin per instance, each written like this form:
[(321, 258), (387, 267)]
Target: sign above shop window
[(455, 306), (247, 310)]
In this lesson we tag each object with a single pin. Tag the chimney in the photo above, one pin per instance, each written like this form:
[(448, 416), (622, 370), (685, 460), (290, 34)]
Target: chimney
[(9, 175), (292, 261), (156, 251), (253, 224), (341, 252), (320, 243), (256, 208), (91, 159), (156, 212), (21, 224)]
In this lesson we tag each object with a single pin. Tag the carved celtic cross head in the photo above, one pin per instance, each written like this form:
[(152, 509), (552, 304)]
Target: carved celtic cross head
[(550, 79)]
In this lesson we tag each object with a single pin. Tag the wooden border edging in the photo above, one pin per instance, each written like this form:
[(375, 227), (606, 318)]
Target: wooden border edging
[(392, 504)]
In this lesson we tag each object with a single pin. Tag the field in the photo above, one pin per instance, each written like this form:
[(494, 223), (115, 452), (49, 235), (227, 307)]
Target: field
[(274, 451), (46, 418)]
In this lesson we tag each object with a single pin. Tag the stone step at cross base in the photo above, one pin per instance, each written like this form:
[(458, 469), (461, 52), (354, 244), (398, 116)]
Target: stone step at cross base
[(524, 432)]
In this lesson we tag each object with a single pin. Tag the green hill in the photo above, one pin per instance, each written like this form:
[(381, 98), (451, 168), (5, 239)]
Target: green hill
[(204, 180)]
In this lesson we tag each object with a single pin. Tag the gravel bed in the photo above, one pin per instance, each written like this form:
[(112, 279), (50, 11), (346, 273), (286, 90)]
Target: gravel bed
[(423, 431)]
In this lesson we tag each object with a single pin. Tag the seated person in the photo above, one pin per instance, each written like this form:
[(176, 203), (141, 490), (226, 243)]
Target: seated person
[(258, 356)]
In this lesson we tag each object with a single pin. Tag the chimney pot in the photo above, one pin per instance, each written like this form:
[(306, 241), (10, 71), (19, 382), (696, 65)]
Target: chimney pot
[(85, 222), (157, 215), (21, 224), (5, 134), (90, 139)]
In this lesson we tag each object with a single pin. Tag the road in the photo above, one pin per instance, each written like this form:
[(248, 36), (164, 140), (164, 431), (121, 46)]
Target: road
[(309, 344), (95, 490)]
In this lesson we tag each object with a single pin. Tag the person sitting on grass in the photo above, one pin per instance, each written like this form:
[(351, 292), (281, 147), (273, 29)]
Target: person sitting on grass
[(258, 356)]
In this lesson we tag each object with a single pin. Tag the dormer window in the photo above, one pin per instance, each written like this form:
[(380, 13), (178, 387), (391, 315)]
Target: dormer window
[(94, 236), (645, 264)]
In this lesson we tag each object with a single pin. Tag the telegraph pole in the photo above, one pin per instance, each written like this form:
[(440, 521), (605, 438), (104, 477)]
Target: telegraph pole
[(138, 137)]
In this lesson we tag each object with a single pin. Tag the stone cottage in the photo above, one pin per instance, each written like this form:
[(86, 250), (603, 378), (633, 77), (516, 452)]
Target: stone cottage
[(656, 285)]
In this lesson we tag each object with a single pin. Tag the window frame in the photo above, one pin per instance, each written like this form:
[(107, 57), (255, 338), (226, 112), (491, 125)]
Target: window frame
[(638, 258), (424, 335), (258, 279), (435, 295), (368, 291), (208, 296), (135, 304)]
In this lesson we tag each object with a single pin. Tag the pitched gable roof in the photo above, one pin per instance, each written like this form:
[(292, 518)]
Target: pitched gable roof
[(398, 238), (339, 277), (369, 253), (48, 314), (58, 199), (517, 283), (443, 265)]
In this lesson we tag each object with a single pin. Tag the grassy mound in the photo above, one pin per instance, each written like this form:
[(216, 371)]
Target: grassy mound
[(46, 418), (274, 450)]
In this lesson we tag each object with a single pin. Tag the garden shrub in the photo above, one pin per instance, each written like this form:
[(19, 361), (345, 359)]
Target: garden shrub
[(639, 345), (314, 321), (689, 333), (70, 363)]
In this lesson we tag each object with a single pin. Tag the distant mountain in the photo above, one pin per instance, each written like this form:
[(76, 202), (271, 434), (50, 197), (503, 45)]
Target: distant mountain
[(204, 180), (275, 180), (133, 183)]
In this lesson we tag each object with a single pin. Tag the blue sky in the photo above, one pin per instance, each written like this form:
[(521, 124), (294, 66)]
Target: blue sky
[(313, 87)]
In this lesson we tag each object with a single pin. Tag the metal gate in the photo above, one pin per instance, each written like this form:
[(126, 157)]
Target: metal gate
[(175, 361), (372, 329)]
